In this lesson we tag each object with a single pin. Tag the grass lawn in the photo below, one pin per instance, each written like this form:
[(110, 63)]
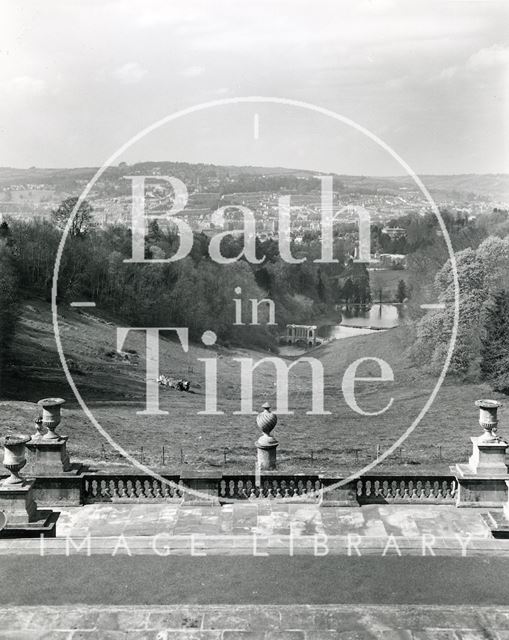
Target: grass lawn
[(139, 580), (340, 442)]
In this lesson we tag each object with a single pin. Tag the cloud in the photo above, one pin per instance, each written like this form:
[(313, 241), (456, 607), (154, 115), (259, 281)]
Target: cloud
[(163, 14), (26, 85), (375, 6), (448, 73), (488, 58), (192, 72), (494, 56), (130, 73)]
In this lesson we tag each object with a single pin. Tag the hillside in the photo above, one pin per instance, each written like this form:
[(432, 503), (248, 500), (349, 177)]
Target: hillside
[(114, 390), (495, 187)]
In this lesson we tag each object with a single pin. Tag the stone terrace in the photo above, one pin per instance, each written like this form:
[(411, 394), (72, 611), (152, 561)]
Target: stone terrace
[(305, 622), (110, 572), (229, 530), (270, 527)]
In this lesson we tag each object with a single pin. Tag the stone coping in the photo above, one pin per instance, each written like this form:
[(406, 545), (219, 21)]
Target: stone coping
[(93, 468), (255, 622), (465, 471), (224, 473)]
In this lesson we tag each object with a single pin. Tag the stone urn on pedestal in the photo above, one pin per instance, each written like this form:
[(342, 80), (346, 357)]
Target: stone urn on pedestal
[(51, 448), (489, 449), (266, 443), (19, 509), (58, 481), (16, 495), (482, 481)]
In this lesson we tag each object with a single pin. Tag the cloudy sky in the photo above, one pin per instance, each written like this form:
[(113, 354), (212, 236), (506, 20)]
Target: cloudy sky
[(431, 79)]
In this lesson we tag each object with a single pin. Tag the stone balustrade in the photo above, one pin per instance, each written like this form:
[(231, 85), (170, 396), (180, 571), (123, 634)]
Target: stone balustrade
[(411, 489), (481, 482), (296, 487), (129, 487)]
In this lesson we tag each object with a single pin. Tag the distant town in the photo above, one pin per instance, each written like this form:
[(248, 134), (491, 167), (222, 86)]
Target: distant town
[(35, 193)]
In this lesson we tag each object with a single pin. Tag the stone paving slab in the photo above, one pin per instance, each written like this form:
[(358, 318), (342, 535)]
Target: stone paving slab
[(270, 518), (249, 622), (266, 528), (254, 545)]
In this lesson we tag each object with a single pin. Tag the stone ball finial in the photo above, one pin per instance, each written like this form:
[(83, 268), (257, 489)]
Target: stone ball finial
[(266, 420)]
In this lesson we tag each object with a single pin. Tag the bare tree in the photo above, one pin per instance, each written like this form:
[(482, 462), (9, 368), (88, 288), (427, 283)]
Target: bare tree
[(81, 221)]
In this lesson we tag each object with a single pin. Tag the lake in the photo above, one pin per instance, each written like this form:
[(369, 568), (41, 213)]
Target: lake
[(359, 319), (378, 316), (356, 320)]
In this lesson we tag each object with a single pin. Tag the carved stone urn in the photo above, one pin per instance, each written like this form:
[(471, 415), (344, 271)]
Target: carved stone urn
[(14, 457), (266, 444), (488, 419), (51, 416)]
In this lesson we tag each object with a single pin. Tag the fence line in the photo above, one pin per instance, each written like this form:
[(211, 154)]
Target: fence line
[(169, 456)]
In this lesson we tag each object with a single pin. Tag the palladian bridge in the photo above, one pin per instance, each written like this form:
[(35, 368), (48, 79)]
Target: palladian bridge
[(301, 333)]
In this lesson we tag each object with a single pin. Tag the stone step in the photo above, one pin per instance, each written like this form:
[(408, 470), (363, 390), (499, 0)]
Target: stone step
[(254, 622), (497, 523)]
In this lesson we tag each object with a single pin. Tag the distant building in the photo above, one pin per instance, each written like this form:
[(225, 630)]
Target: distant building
[(305, 333), (391, 260), (394, 232)]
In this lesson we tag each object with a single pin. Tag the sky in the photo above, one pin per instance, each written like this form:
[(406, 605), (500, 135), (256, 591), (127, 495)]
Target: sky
[(79, 79)]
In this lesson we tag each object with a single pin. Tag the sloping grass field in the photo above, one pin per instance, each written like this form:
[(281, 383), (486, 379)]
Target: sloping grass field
[(339, 442)]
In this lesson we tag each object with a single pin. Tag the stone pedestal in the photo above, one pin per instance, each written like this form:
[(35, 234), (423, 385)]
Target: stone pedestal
[(488, 457), (482, 481), (498, 521), (20, 516), (343, 496), (206, 483), (51, 455), (17, 502), (60, 489), (58, 481), (266, 453), (478, 491)]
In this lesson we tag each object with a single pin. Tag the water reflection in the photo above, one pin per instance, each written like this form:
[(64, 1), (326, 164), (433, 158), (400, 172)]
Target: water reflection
[(355, 320), (359, 319), (378, 316)]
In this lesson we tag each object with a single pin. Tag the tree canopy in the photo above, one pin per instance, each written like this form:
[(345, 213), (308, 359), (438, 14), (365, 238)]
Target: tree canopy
[(82, 220)]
